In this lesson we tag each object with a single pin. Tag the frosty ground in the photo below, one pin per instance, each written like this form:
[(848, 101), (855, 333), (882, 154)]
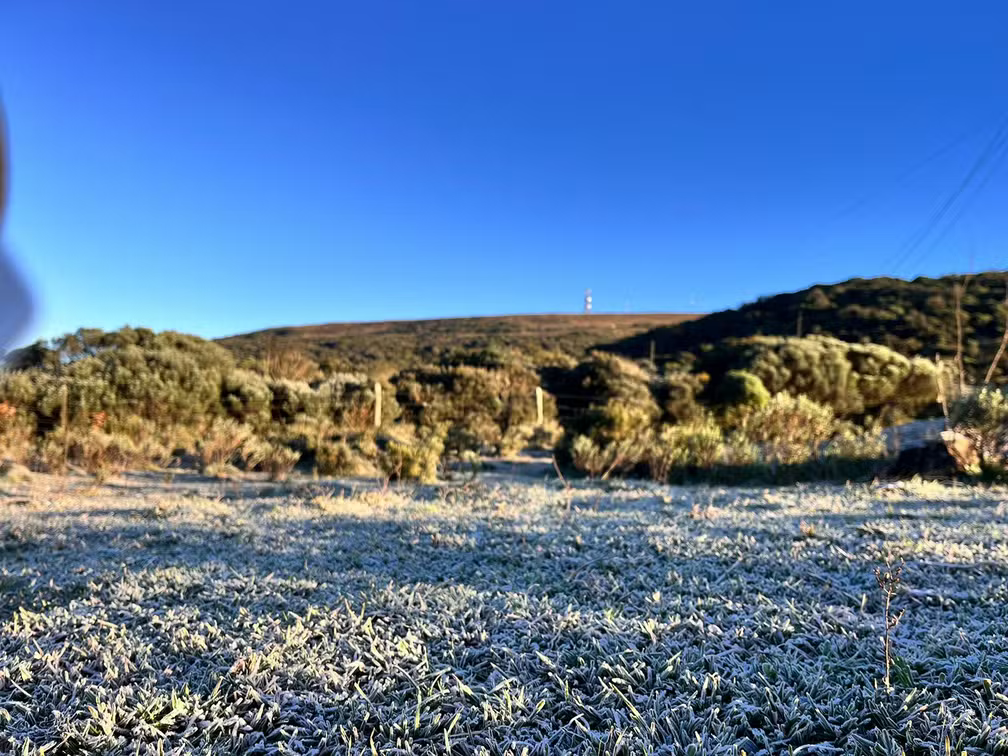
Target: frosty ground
[(499, 616)]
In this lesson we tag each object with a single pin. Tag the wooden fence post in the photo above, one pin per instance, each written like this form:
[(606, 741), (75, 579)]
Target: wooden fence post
[(539, 405), (65, 422), (377, 404)]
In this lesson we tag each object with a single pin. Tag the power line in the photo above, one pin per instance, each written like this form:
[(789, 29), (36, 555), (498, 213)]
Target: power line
[(990, 156)]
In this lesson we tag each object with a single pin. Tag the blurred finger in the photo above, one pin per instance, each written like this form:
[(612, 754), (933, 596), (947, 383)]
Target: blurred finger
[(15, 301)]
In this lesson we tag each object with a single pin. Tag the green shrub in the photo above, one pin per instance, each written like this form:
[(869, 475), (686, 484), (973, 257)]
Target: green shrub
[(247, 398), (17, 433), (606, 398), (677, 393), (14, 472), (852, 454), (588, 457), (739, 388), (348, 399), (289, 364), (482, 408), (292, 399), (545, 437), (518, 438), (852, 379)]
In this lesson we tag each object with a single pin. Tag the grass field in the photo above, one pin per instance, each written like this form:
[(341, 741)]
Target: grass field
[(500, 616)]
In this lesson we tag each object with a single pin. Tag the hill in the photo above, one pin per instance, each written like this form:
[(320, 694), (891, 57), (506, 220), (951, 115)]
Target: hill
[(414, 342), (915, 317)]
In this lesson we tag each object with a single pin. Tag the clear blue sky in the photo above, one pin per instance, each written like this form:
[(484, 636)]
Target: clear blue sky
[(222, 165)]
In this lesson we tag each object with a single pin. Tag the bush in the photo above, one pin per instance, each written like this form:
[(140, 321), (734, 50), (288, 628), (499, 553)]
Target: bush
[(739, 388), (588, 457), (602, 460), (289, 364), (788, 429), (983, 419), (279, 461), (292, 399), (223, 441), (13, 472), (247, 398), (608, 400), (853, 454), (482, 408), (413, 459), (678, 449), (348, 400), (677, 393), (852, 379), (340, 459), (99, 453), (17, 433)]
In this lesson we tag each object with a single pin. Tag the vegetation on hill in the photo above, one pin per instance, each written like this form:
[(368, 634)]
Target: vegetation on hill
[(915, 317), (108, 401), (626, 417), (768, 406), (544, 339)]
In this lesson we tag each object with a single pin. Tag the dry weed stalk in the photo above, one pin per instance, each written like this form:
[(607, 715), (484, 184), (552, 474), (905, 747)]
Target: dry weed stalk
[(889, 581), (959, 291), (1001, 346)]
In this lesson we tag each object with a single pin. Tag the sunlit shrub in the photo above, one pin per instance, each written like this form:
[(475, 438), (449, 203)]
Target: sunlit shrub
[(247, 397), (687, 447), (483, 408), (290, 399), (789, 429), (602, 460), (98, 453), (983, 419), (742, 389), (852, 379), (341, 459), (223, 442), (414, 459), (278, 461)]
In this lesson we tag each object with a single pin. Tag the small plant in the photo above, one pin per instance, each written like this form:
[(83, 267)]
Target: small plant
[(416, 459), (279, 461), (337, 458), (602, 460), (889, 580), (683, 448), (788, 428), (222, 442)]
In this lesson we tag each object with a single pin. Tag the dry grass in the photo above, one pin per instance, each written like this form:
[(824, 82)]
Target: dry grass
[(408, 342), (499, 617)]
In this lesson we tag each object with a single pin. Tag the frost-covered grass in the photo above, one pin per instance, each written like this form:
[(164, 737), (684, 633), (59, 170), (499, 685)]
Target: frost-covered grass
[(501, 617)]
